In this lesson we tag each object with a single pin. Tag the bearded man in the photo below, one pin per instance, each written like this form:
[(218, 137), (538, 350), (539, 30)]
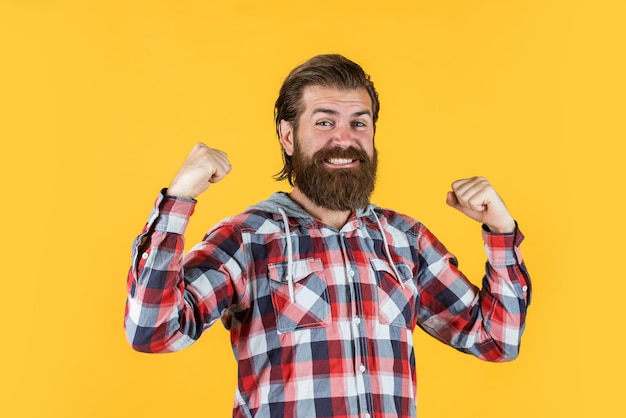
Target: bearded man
[(321, 290)]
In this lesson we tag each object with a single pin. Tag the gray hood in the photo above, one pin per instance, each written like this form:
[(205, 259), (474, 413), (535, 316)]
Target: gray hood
[(281, 200)]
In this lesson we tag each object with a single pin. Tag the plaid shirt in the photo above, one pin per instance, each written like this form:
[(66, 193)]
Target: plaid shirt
[(335, 338)]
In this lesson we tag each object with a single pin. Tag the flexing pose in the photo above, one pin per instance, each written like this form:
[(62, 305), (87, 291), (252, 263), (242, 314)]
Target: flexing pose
[(321, 289)]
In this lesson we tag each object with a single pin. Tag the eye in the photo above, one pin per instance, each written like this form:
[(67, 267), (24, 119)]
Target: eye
[(324, 123), (359, 124)]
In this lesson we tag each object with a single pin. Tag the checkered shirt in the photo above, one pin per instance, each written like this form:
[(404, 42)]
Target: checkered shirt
[(340, 344)]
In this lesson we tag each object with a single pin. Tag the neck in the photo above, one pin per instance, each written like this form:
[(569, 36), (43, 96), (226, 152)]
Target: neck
[(334, 218)]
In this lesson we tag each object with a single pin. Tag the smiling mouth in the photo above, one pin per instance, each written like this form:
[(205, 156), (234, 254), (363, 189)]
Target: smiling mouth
[(340, 161), (337, 158)]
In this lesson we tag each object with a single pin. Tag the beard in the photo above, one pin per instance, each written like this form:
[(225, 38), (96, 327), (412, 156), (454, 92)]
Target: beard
[(335, 189)]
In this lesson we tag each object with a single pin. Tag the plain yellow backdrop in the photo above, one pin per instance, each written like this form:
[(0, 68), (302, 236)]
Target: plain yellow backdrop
[(100, 101)]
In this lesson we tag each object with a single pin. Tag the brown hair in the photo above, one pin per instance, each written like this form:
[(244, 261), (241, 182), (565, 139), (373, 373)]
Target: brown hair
[(329, 70)]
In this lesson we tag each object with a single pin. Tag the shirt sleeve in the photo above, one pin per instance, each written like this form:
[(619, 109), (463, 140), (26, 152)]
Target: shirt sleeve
[(173, 298), (486, 322)]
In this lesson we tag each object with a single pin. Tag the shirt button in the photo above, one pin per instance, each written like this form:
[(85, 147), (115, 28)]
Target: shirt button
[(351, 273), (357, 320), (144, 255), (524, 288), (367, 415), (362, 368)]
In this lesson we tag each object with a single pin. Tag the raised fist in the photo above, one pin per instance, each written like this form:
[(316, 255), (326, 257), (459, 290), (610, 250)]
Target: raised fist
[(202, 167)]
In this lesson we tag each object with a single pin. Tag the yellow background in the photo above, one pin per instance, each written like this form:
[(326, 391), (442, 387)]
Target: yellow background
[(100, 101)]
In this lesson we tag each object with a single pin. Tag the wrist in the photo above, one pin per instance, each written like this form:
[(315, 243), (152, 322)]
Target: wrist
[(172, 191), (506, 228), (169, 193)]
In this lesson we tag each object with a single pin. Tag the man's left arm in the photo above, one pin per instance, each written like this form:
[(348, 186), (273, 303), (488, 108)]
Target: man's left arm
[(487, 322)]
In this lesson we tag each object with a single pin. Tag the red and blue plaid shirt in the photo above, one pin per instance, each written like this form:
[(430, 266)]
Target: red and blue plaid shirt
[(321, 319)]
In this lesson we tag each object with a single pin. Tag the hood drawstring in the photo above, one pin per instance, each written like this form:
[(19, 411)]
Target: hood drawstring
[(289, 255), (290, 252), (386, 245)]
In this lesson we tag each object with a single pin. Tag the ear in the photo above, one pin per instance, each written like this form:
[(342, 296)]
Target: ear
[(286, 136)]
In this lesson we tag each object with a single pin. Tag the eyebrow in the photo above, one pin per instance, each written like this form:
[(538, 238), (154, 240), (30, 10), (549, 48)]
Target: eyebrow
[(334, 112)]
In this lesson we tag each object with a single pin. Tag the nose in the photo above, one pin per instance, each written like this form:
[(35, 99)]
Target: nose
[(343, 136)]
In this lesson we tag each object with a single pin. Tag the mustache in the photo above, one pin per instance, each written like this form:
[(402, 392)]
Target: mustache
[(336, 152)]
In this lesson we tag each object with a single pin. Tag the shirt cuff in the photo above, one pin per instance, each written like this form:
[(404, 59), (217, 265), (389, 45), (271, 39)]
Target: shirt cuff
[(503, 249), (173, 213)]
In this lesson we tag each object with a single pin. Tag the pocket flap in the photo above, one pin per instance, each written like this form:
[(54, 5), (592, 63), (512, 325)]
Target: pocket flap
[(301, 269), (383, 265)]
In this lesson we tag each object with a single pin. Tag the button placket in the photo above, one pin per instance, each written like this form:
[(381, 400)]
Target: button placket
[(359, 331)]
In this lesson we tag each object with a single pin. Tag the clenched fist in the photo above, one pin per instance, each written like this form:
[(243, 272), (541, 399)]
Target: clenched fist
[(476, 198), (202, 167)]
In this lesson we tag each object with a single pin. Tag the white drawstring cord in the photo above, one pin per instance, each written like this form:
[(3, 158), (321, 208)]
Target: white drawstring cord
[(386, 245), (289, 255)]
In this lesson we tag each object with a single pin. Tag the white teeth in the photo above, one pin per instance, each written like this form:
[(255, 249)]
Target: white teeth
[(339, 161)]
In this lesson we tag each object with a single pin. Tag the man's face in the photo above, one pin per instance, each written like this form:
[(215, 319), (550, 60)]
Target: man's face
[(333, 154)]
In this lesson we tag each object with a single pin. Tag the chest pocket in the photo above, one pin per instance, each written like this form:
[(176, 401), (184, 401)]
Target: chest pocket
[(396, 304), (311, 306)]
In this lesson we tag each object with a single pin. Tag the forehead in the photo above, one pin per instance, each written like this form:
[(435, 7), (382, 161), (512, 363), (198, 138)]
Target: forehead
[(314, 97)]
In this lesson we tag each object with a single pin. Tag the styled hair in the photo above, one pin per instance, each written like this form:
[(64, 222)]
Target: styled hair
[(328, 70)]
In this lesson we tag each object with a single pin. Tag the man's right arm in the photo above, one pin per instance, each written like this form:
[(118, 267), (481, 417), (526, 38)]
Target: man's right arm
[(168, 306)]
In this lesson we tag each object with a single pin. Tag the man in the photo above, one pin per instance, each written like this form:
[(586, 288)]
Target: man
[(320, 289)]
